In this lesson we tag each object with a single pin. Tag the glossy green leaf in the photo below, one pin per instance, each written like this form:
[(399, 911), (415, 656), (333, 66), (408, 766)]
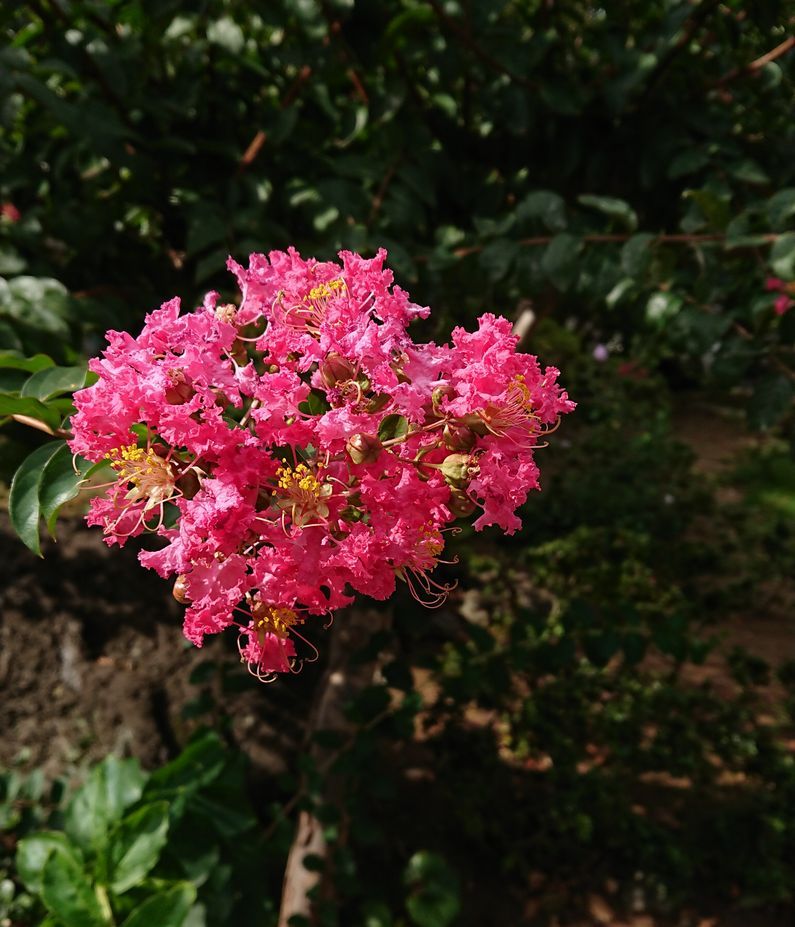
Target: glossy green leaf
[(68, 894), (18, 361), (314, 404), (780, 209), (782, 256), (166, 909), (612, 207), (623, 288), (24, 505), (11, 262), (393, 427), (40, 303), (34, 851), (11, 381), (61, 482), (662, 307), (53, 381), (12, 404), (135, 845), (199, 764), (560, 258), (636, 254), (545, 205), (497, 257), (112, 787), (434, 898)]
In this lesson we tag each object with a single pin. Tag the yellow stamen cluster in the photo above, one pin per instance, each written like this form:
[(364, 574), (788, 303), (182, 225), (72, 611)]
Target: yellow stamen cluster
[(150, 475), (303, 494), (518, 386), (326, 290), (431, 541), (298, 479), (273, 619)]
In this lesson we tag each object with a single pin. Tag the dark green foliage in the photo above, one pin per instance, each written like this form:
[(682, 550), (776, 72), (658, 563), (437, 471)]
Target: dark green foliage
[(630, 168)]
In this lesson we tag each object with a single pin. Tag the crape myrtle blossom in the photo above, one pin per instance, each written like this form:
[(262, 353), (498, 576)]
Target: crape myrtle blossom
[(299, 448)]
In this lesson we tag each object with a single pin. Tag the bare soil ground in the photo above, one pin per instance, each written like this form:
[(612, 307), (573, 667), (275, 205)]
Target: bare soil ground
[(92, 660)]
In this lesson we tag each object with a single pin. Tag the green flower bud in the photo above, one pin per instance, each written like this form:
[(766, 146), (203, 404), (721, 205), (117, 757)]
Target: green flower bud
[(458, 438), (458, 470), (363, 449), (441, 392), (334, 369)]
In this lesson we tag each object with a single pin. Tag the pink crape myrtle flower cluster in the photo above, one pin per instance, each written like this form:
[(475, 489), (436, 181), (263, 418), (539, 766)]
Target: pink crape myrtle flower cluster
[(301, 447)]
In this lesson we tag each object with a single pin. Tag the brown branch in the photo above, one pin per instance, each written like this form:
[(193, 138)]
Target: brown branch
[(255, 145), (346, 53), (341, 682), (466, 39), (757, 65), (380, 193)]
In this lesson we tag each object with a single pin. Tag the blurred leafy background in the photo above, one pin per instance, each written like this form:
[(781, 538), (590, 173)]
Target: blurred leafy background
[(599, 725)]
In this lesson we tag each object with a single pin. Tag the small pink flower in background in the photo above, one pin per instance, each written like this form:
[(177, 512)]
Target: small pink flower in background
[(9, 212), (784, 302), (601, 353), (632, 370)]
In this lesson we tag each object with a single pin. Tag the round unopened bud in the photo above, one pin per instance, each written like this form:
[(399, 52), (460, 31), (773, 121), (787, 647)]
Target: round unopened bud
[(458, 438), (363, 449), (180, 590), (460, 504), (334, 369), (458, 470), (188, 484), (445, 391), (180, 391)]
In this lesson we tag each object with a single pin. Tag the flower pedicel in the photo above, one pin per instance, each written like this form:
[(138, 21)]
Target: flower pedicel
[(302, 447)]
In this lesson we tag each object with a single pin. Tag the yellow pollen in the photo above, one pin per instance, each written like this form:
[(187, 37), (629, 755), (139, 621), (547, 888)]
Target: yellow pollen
[(326, 290), (303, 494), (431, 542), (518, 386), (273, 619), (150, 475), (298, 479)]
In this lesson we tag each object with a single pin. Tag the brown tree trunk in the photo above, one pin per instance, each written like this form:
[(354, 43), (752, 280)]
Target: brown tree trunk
[(340, 684)]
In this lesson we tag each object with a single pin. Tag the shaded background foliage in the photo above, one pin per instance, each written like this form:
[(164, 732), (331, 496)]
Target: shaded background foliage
[(625, 172)]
